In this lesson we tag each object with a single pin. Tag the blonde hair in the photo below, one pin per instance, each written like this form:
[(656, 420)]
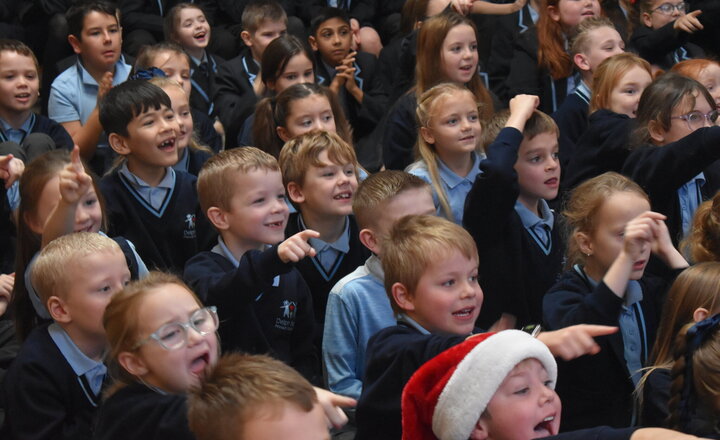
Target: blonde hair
[(414, 243), (425, 111), (581, 39), (50, 274), (302, 152), (238, 388), (215, 183), (584, 204), (122, 324), (371, 195), (609, 73)]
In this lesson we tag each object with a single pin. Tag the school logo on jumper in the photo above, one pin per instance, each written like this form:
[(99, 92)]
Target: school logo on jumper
[(189, 231), (287, 321)]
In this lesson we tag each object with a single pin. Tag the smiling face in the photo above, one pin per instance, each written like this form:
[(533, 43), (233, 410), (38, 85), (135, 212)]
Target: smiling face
[(524, 407), (100, 41), (176, 67), (328, 189), (174, 371), (258, 212), (312, 113), (459, 54), (538, 169), (88, 214), (447, 297), (333, 40), (625, 96), (19, 85), (454, 128), (192, 30), (605, 243), (181, 108), (569, 13), (298, 70)]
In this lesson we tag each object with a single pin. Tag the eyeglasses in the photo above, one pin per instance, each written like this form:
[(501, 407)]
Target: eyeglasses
[(669, 8), (174, 335), (697, 119)]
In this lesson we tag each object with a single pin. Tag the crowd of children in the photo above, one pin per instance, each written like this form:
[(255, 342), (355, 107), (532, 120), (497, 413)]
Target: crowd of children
[(421, 219)]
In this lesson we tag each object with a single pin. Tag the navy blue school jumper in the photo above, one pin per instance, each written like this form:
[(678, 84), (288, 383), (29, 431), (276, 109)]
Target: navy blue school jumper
[(573, 300), (400, 133), (164, 239), (514, 272), (660, 171), (202, 78), (264, 305), (603, 147), (137, 412), (507, 30), (656, 394), (393, 356), (525, 76), (43, 124), (664, 47), (44, 398), (572, 121), (234, 95)]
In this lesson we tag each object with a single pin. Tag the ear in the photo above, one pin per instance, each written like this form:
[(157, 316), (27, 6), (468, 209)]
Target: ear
[(245, 35), (58, 310), (74, 43), (656, 132), (119, 144), (480, 432), (402, 297), (218, 218), (581, 61), (584, 243), (427, 135), (700, 314), (313, 43), (553, 13), (295, 192), (646, 19), (370, 240), (283, 133), (132, 363)]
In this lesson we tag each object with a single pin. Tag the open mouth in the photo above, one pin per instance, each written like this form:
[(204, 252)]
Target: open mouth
[(276, 225), (553, 181), (343, 196), (588, 14), (638, 265), (197, 366), (546, 426), (200, 35), (469, 138), (464, 313), (466, 69), (168, 145)]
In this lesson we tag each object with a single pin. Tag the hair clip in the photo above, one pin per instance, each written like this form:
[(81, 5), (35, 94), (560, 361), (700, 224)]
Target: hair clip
[(149, 73)]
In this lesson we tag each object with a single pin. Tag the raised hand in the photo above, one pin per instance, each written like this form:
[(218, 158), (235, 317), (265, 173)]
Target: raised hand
[(11, 168), (297, 247), (74, 181)]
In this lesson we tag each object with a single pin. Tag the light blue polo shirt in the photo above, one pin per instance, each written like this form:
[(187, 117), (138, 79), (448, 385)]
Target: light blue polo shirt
[(690, 198), (328, 253), (540, 229), (11, 134), (156, 197)]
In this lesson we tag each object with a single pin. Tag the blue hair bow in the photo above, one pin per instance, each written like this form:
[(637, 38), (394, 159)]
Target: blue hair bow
[(149, 73), (696, 336)]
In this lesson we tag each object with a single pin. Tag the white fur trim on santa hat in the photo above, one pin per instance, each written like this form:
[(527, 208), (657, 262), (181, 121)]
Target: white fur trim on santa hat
[(479, 375)]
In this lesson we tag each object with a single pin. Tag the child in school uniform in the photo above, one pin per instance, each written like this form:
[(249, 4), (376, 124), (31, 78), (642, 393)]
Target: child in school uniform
[(263, 302), (319, 171), (238, 81), (95, 36), (705, 71), (508, 215), (431, 267), (613, 234), (357, 305), (352, 75), (53, 387), (186, 25), (23, 133), (148, 202)]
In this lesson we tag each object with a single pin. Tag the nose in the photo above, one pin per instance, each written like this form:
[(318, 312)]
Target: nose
[(106, 37), (181, 124), (336, 39), (469, 290), (547, 395)]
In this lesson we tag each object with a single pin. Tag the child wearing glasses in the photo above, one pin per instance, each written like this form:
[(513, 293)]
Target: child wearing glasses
[(52, 390), (674, 149), (162, 340), (662, 31)]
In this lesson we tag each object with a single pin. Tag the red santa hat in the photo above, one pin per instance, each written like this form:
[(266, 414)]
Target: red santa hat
[(446, 396)]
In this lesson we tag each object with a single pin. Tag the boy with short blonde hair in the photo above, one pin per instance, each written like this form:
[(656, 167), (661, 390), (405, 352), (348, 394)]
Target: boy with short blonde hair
[(263, 302), (357, 305), (319, 171), (250, 397), (52, 389)]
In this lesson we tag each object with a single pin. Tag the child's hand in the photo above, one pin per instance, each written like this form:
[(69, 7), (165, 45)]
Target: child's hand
[(519, 4), (521, 108), (11, 168), (74, 181), (7, 281), (640, 233), (575, 341), (663, 247), (296, 247), (461, 6), (689, 22), (104, 86), (331, 404)]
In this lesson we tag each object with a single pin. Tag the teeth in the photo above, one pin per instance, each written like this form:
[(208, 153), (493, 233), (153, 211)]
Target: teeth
[(549, 419)]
